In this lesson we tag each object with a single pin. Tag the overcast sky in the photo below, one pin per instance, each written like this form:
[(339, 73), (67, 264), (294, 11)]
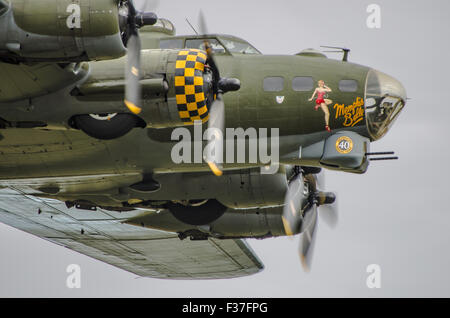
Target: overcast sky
[(396, 215)]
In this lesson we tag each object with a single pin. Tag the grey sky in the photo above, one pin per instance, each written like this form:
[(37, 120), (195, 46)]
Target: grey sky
[(396, 215)]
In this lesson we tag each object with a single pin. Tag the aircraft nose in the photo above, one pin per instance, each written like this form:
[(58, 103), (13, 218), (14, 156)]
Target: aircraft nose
[(385, 98)]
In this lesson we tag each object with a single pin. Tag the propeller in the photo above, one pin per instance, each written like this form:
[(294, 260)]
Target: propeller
[(134, 20), (220, 86), (308, 229), (216, 126), (303, 203), (292, 214), (216, 123)]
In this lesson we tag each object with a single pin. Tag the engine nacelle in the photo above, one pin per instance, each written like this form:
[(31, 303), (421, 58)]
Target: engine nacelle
[(239, 189), (251, 223), (251, 189), (61, 31), (176, 86)]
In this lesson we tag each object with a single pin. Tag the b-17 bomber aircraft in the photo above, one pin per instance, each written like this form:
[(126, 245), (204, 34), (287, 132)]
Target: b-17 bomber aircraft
[(160, 154)]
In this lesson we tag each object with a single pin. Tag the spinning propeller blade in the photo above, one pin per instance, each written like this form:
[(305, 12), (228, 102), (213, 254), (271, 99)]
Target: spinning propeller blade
[(216, 124), (292, 216), (220, 86), (135, 20), (329, 213), (132, 75), (307, 240)]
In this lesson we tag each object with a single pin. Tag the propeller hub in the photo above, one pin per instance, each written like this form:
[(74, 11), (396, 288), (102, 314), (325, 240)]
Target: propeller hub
[(229, 85), (322, 198), (145, 18)]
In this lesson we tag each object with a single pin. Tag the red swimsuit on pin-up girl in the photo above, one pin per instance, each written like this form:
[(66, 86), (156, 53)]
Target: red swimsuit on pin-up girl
[(321, 102), (320, 99)]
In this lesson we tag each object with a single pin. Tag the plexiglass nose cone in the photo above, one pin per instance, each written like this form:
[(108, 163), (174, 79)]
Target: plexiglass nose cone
[(385, 98)]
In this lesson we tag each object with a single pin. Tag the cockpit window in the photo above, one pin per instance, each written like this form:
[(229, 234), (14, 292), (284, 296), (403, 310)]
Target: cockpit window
[(273, 84), (239, 47), (200, 45), (348, 86)]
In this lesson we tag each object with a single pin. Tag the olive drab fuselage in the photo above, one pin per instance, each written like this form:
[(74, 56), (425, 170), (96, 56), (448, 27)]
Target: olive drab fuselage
[(251, 107)]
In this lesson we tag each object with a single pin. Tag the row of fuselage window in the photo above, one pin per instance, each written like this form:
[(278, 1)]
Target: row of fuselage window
[(305, 84)]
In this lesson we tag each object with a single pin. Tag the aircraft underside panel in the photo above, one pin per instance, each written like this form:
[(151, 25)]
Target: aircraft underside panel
[(102, 235)]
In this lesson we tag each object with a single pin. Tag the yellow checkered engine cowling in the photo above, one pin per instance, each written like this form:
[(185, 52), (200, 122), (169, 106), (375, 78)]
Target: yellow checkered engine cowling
[(190, 97), (183, 99)]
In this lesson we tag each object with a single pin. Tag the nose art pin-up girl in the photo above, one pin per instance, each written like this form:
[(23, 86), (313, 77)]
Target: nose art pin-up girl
[(322, 103)]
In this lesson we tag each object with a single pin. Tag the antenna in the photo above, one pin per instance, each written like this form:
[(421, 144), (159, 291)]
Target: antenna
[(187, 20), (340, 50)]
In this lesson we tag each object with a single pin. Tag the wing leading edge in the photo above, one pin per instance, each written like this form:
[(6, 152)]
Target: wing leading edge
[(149, 253)]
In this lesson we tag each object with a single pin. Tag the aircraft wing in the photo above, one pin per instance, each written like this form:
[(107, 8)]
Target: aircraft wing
[(102, 235), (22, 81)]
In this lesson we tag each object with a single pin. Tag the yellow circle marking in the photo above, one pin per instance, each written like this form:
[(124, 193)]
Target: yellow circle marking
[(344, 145)]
